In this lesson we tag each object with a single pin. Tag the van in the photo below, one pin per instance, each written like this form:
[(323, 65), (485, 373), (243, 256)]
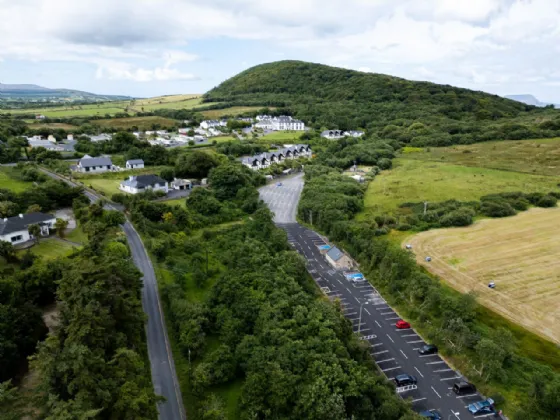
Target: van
[(463, 388)]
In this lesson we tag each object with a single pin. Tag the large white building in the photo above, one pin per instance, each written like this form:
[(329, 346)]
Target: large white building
[(282, 122), (143, 183), (87, 164), (213, 123), (15, 229)]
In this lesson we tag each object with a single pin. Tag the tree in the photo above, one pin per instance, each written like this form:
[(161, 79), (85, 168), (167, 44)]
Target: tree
[(168, 174), (35, 231), (228, 179), (491, 358), (34, 208), (8, 251), (196, 164), (60, 226), (8, 209)]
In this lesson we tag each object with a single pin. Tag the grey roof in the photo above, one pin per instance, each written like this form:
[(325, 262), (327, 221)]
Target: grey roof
[(100, 161), (335, 254), (100, 137), (142, 181), (17, 224), (331, 133), (135, 162)]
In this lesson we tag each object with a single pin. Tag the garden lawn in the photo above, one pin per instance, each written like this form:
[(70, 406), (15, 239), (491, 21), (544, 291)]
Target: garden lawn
[(282, 137), (50, 248), (413, 180), (10, 183)]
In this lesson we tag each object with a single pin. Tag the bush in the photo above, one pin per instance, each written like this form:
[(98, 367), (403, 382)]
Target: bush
[(495, 208), (547, 201), (461, 217)]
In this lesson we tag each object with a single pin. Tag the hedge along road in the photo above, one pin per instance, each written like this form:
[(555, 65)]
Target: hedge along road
[(164, 377), (394, 351)]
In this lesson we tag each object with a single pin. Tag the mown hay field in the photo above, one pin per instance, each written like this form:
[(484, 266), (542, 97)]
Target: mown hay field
[(521, 254)]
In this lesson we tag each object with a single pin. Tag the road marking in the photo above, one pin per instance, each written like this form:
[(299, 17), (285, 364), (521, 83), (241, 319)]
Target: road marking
[(377, 345), (484, 415), (393, 368), (448, 379), (350, 313), (418, 399), (353, 319), (387, 313), (433, 389), (435, 363), (467, 396), (385, 360), (405, 356), (429, 355), (380, 352), (378, 324), (362, 329), (357, 300), (443, 370), (414, 342), (389, 336), (381, 303), (348, 290), (420, 373), (367, 312), (409, 335), (392, 318)]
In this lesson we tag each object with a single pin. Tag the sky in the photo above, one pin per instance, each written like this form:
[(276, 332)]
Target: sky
[(148, 48)]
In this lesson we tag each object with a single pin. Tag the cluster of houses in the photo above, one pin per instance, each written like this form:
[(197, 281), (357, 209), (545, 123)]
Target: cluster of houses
[(50, 143), (264, 160), (338, 134), (282, 122)]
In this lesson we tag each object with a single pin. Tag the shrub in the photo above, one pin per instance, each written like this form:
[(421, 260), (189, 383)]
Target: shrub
[(461, 217), (496, 208), (547, 201)]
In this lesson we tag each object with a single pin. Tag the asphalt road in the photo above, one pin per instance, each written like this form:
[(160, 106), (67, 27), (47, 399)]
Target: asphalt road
[(162, 365), (394, 351)]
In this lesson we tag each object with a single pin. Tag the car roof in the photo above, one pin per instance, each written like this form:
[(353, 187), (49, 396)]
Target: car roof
[(403, 376)]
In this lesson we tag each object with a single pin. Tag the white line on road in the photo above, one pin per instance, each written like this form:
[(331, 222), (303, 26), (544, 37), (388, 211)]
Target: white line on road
[(433, 389), (429, 355), (367, 312), (405, 356), (420, 373), (387, 313), (357, 300), (380, 352), (408, 335), (467, 396), (415, 341), (435, 363), (378, 324), (448, 379), (388, 369), (443, 370), (389, 337), (385, 360), (392, 318), (484, 415), (348, 290), (350, 313), (377, 345), (418, 399)]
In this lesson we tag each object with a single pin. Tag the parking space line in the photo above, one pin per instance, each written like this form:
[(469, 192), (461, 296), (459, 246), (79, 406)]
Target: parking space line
[(415, 341), (385, 360), (405, 356), (378, 324), (380, 352), (418, 399), (429, 355), (390, 338), (387, 313), (467, 396), (420, 373), (377, 345), (409, 335), (435, 363), (448, 379), (443, 370), (392, 318), (388, 369), (367, 312), (433, 389)]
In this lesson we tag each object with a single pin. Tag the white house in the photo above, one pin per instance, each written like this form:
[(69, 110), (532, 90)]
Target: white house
[(39, 117), (183, 130), (263, 117), (338, 134), (143, 183), (265, 124), (100, 137), (287, 123), (213, 123), (15, 229), (134, 164), (353, 133), (181, 184), (89, 164), (264, 160)]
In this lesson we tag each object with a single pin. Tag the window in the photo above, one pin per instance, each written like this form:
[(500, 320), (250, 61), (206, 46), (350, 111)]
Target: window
[(87, 169), (16, 238)]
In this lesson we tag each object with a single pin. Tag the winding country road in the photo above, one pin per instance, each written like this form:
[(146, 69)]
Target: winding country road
[(164, 377), (394, 351)]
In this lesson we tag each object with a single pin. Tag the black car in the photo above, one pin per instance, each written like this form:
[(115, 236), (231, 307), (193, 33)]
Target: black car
[(428, 349), (405, 379), (431, 414), (464, 388)]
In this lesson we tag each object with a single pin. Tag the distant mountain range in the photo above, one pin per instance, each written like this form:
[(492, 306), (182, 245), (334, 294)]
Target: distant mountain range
[(529, 100), (28, 92)]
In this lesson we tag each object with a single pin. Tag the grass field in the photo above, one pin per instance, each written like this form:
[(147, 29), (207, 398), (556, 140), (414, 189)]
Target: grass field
[(235, 110), (50, 248), (52, 126), (281, 137), (413, 180), (143, 123), (521, 254), (541, 156), (75, 110), (167, 102), (10, 183)]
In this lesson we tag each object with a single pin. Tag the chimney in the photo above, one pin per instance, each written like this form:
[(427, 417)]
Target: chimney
[(21, 216)]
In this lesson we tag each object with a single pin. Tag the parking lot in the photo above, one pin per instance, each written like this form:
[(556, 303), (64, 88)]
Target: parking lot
[(283, 200)]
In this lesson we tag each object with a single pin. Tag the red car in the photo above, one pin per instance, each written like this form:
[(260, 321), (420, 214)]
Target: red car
[(402, 325)]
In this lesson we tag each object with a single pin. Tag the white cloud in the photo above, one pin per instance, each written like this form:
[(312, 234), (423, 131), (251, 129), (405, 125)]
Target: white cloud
[(472, 43)]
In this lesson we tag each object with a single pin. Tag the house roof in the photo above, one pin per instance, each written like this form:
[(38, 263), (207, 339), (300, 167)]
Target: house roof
[(178, 181), (135, 162), (142, 181), (16, 223), (100, 161), (335, 254), (331, 133)]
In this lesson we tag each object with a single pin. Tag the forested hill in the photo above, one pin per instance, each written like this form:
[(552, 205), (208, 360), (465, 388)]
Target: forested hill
[(420, 113)]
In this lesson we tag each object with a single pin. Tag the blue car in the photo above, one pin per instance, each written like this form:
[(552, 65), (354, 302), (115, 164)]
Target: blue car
[(482, 407), (279, 184), (431, 414)]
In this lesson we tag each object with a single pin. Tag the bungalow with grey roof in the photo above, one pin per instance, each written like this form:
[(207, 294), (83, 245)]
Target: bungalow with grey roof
[(15, 229), (88, 164), (134, 164), (143, 183), (338, 259)]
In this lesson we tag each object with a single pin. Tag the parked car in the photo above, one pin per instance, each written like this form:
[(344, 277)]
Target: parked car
[(431, 414), (402, 325), (405, 379), (279, 184), (482, 407), (463, 388), (428, 349)]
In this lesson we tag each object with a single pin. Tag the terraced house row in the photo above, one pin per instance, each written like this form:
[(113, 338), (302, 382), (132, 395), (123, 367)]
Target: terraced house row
[(264, 160)]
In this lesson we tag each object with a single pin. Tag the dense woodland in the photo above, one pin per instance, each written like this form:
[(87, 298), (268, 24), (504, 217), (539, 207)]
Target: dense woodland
[(415, 113)]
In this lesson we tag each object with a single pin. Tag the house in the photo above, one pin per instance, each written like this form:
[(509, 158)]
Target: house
[(358, 178), (183, 130), (134, 164), (89, 164), (51, 138), (70, 137), (354, 133), (265, 124), (15, 229), (214, 132), (332, 134), (213, 123), (287, 123), (100, 137), (142, 183), (181, 184), (263, 117), (46, 144), (40, 117), (338, 259)]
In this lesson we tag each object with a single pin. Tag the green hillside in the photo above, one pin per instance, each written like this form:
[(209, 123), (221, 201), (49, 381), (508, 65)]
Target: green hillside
[(418, 113)]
